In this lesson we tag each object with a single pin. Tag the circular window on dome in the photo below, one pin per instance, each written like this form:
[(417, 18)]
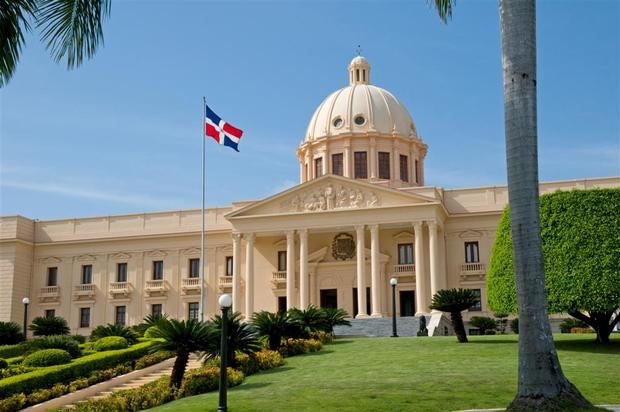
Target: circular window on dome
[(337, 122), (359, 120)]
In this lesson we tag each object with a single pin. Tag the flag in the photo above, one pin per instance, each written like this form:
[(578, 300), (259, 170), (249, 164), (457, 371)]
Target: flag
[(223, 132)]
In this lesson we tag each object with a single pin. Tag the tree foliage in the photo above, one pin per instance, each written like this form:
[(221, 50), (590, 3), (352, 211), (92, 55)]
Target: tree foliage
[(454, 301), (49, 326), (581, 244)]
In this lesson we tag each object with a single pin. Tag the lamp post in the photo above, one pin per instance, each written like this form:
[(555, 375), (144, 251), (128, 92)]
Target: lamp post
[(393, 282), (225, 302), (26, 302)]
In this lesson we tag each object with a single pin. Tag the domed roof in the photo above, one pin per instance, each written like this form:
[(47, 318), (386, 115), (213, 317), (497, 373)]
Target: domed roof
[(360, 108)]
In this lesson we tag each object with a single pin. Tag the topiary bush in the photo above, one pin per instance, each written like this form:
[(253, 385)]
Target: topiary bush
[(153, 358), (204, 380), (10, 333), (49, 325), (569, 323), (66, 343), (110, 343), (11, 351), (151, 332), (47, 357)]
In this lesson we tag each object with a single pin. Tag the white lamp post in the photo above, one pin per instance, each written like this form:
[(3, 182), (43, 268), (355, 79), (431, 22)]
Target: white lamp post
[(26, 302), (225, 302), (393, 282)]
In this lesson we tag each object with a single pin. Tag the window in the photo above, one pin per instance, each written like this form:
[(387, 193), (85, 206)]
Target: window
[(404, 168), (87, 274), (384, 165), (50, 313), (84, 317), (337, 122), (361, 165), (194, 268), (158, 270), (477, 306), (417, 171), (405, 254), (119, 315), (192, 310), (337, 164), (472, 254), (52, 276), (229, 265), (359, 120), (121, 272), (281, 261), (318, 167), (157, 309)]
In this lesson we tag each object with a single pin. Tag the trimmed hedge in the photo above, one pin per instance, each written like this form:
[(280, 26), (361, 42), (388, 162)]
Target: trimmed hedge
[(110, 343), (153, 358), (47, 357), (78, 368), (12, 351), (63, 342)]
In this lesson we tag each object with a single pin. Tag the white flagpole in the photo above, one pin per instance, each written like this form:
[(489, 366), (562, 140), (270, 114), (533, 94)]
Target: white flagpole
[(202, 215)]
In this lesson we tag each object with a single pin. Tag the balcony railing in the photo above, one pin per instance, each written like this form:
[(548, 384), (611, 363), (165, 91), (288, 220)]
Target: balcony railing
[(473, 271), (188, 284), (86, 289), (119, 288), (404, 270), (225, 282), (279, 276), (50, 291), (155, 287)]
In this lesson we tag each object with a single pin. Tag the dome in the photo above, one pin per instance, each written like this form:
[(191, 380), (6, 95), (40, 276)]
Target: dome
[(360, 108)]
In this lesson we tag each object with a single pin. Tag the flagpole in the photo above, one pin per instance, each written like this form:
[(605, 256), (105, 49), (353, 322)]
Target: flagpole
[(202, 215)]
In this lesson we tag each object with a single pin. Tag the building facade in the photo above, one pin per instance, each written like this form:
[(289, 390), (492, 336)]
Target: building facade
[(360, 216)]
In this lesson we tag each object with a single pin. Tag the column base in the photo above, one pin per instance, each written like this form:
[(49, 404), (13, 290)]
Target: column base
[(361, 316), (376, 315), (422, 314)]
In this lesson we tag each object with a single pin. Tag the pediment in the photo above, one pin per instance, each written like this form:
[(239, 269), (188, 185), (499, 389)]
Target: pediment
[(86, 258), (190, 251), (330, 193), (469, 233), (156, 253), (120, 256), (50, 260)]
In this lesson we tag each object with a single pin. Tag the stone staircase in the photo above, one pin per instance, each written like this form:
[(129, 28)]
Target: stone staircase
[(405, 326)]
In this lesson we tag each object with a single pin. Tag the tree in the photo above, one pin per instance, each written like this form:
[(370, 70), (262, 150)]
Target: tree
[(335, 317), (49, 325), (183, 337), (10, 333), (275, 326), (110, 329), (241, 338), (582, 258), (541, 384), (312, 319), (454, 301), (70, 29)]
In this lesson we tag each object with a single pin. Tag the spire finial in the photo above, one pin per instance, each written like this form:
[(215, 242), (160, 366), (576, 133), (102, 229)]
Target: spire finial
[(359, 50)]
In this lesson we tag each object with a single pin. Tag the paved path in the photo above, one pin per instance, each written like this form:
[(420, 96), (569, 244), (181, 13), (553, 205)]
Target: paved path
[(614, 408)]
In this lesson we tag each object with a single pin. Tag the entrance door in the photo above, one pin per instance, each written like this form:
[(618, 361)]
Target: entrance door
[(281, 303), (407, 303), (329, 298), (356, 305)]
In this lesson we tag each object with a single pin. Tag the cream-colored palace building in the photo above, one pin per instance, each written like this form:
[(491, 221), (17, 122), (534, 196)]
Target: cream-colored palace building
[(361, 215)]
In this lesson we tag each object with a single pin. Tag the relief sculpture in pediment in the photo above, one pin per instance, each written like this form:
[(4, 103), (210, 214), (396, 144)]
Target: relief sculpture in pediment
[(330, 197)]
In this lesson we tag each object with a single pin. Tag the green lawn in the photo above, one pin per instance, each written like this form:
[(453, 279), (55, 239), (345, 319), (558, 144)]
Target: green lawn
[(421, 374)]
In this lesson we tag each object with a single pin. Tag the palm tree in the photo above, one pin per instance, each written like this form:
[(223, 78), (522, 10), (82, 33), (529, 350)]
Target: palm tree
[(542, 384), (311, 319), (183, 337), (335, 317), (71, 29), (10, 333), (49, 325), (148, 321), (241, 338), (110, 329), (275, 326), (454, 301)]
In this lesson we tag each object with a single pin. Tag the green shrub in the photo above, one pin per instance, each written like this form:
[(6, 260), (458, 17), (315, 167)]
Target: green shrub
[(81, 367), (78, 384), (314, 345), (10, 333), (246, 363), (490, 332), (11, 351), (110, 343), (483, 323), (203, 380), (570, 323), (47, 357), (13, 403), (79, 339), (268, 359), (103, 331), (323, 337), (3, 364), (153, 358), (514, 325), (49, 326), (294, 347), (14, 370), (150, 332), (582, 330), (39, 396), (66, 343)]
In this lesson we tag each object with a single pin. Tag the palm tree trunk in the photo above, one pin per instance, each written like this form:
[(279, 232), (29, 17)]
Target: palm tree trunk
[(542, 384), (459, 328), (178, 370)]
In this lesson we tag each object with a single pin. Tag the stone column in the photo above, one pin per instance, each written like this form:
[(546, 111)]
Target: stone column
[(249, 275), (395, 163), (361, 272), (326, 162), (421, 298), (373, 158), (434, 257), (236, 281), (375, 271), (290, 269), (347, 161), (303, 269)]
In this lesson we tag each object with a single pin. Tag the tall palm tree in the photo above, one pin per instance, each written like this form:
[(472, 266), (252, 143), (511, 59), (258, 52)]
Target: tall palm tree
[(542, 384), (184, 337), (70, 29)]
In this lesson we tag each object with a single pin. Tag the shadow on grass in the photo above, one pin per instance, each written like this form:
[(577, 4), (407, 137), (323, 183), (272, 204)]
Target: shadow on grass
[(246, 386), (321, 352), (588, 346), (276, 370), (491, 342)]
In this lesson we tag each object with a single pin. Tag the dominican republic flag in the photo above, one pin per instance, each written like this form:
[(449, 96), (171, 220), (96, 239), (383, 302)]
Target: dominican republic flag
[(223, 132)]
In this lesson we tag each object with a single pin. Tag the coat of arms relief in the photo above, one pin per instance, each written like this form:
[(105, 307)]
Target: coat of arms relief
[(330, 197)]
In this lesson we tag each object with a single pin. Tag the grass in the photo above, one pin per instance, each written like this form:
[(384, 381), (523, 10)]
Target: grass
[(421, 374)]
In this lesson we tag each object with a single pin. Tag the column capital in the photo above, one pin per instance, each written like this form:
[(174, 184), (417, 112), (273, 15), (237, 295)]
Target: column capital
[(236, 236), (373, 227), (417, 225), (432, 225), (302, 232), (290, 235), (359, 228), (249, 237)]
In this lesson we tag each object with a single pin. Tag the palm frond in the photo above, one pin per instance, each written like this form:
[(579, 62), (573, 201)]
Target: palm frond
[(14, 15), (444, 9), (72, 28)]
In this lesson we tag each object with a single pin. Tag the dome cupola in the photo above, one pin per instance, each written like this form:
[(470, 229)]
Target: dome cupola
[(359, 71)]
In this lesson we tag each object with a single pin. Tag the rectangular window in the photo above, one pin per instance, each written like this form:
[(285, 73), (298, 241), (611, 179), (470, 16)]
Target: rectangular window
[(478, 306), (360, 163), (384, 165), (52, 276), (318, 167), (158, 270), (192, 310), (417, 171), (194, 268), (337, 164), (87, 274), (121, 272), (404, 168), (84, 317), (50, 313), (405, 254), (229, 265), (472, 254), (157, 309), (281, 261), (119, 315)]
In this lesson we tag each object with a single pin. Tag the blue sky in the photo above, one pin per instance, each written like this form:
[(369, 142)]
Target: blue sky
[(121, 134)]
